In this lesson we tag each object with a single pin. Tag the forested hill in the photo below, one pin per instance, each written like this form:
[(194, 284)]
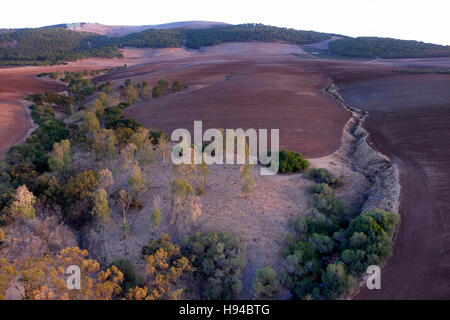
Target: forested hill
[(386, 48), (55, 45), (52, 46), (196, 38)]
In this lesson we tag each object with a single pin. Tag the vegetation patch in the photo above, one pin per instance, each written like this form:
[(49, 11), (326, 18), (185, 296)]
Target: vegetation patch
[(386, 48), (333, 245)]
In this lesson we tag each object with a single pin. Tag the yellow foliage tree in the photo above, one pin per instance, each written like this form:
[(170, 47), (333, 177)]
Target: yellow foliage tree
[(45, 278)]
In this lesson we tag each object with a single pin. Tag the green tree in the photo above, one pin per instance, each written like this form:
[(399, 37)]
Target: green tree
[(181, 189), (60, 159), (90, 123), (265, 285), (101, 208), (81, 187), (219, 259), (138, 182), (337, 281), (140, 138), (103, 98)]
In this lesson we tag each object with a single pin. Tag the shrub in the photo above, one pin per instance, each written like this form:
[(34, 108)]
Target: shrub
[(337, 210), (322, 259), (369, 239), (165, 267), (156, 92), (163, 83), (49, 190), (219, 259), (155, 135), (176, 86), (320, 188), (156, 217), (123, 123), (321, 175), (81, 187), (199, 191), (337, 281), (291, 161), (130, 278), (265, 285)]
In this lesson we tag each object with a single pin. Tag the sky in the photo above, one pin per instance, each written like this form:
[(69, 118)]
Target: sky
[(412, 20)]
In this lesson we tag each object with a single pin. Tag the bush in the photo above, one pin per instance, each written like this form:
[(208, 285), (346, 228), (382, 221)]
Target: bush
[(123, 123), (265, 285), (321, 175), (176, 86), (156, 217), (320, 188), (337, 281), (369, 239), (156, 92), (322, 259), (291, 161), (81, 187), (337, 210), (130, 278), (219, 259), (155, 135)]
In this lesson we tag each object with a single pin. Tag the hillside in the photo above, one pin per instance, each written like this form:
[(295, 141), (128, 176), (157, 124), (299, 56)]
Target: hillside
[(386, 48), (61, 43), (51, 46), (197, 38)]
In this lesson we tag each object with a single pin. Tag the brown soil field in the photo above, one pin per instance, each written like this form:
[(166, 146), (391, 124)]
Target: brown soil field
[(18, 82), (410, 122), (15, 84), (272, 90)]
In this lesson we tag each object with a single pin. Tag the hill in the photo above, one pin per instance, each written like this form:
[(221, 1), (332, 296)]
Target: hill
[(197, 38), (60, 43), (52, 46), (386, 48), (118, 31)]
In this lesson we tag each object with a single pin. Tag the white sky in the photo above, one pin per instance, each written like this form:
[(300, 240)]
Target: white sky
[(427, 21)]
